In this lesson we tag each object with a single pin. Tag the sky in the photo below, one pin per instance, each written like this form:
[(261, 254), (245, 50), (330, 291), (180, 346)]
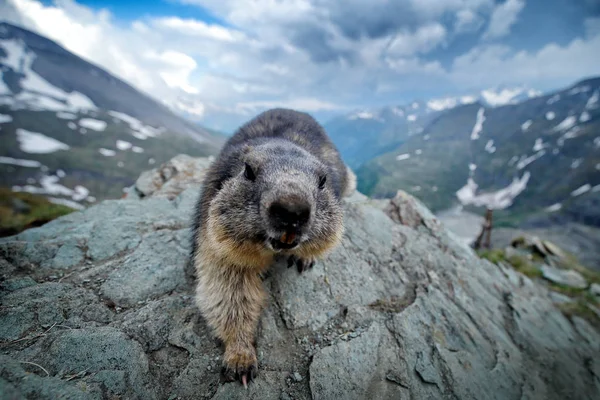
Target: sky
[(220, 62)]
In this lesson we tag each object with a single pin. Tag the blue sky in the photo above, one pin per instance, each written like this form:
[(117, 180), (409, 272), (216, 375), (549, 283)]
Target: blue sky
[(222, 61)]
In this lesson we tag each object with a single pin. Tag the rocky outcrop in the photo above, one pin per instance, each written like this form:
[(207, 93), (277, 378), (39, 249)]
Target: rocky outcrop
[(98, 304)]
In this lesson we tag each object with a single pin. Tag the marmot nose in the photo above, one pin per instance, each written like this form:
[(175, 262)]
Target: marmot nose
[(289, 214)]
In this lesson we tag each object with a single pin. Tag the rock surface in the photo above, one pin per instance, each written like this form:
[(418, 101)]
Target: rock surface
[(99, 304)]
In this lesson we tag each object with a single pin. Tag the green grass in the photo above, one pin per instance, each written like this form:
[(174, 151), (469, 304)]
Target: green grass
[(519, 263), (41, 211)]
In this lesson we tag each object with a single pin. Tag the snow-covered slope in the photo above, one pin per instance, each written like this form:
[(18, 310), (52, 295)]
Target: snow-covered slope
[(73, 132)]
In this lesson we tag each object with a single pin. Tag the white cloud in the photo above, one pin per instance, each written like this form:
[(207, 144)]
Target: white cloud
[(467, 21), (550, 66), (316, 55), (423, 40), (503, 18), (197, 28), (93, 36)]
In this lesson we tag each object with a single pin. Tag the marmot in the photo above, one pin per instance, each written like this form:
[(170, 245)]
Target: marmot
[(275, 187)]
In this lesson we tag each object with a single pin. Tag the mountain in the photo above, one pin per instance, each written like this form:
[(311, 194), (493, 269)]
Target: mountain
[(75, 133), (365, 134), (538, 158)]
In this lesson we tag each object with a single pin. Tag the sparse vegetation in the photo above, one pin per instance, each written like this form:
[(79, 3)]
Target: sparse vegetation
[(519, 263), (19, 211), (529, 265)]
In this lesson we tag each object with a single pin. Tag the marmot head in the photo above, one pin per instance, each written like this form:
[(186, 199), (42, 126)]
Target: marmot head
[(279, 196)]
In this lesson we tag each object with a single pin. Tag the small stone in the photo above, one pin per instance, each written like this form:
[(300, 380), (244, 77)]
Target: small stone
[(595, 289), (565, 277), (559, 298), (297, 377)]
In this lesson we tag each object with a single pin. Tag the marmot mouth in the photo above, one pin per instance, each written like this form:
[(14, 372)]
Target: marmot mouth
[(279, 245)]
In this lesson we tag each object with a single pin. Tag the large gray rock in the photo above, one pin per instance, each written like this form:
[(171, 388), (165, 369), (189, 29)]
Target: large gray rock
[(99, 304)]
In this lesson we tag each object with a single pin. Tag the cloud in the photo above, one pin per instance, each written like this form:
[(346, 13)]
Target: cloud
[(503, 18), (423, 40), (314, 55), (550, 66), (197, 28), (127, 53), (467, 20)]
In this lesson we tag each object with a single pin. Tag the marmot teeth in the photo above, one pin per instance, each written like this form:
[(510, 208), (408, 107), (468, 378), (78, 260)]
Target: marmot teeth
[(288, 238)]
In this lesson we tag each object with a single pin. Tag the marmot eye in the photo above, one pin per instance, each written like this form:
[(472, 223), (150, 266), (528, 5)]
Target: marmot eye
[(322, 181), (249, 173)]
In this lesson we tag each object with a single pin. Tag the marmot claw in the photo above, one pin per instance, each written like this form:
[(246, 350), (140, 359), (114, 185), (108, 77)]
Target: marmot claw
[(303, 264), (241, 374)]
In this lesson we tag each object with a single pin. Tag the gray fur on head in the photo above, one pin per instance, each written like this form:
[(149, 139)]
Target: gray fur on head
[(280, 164), (282, 171)]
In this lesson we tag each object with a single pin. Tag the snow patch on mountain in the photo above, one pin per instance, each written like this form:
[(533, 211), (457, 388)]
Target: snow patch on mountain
[(449, 102), (576, 163), (37, 93), (65, 115), (5, 118), (401, 157), (34, 142), (526, 125), (123, 145), (566, 124), (478, 124), (139, 130), (579, 89), (550, 115), (94, 124), (107, 152), (412, 118), (592, 101), (581, 190), (137, 149), (502, 97), (525, 161), (553, 99), (365, 115), (489, 147), (66, 202), (538, 145), (554, 207), (20, 162), (49, 185), (497, 200)]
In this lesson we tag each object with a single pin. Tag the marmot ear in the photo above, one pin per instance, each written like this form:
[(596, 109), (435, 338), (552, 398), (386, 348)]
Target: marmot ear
[(322, 181), (249, 173)]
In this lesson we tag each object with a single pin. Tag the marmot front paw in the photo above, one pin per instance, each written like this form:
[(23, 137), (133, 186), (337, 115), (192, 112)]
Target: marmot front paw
[(240, 365), (303, 264)]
